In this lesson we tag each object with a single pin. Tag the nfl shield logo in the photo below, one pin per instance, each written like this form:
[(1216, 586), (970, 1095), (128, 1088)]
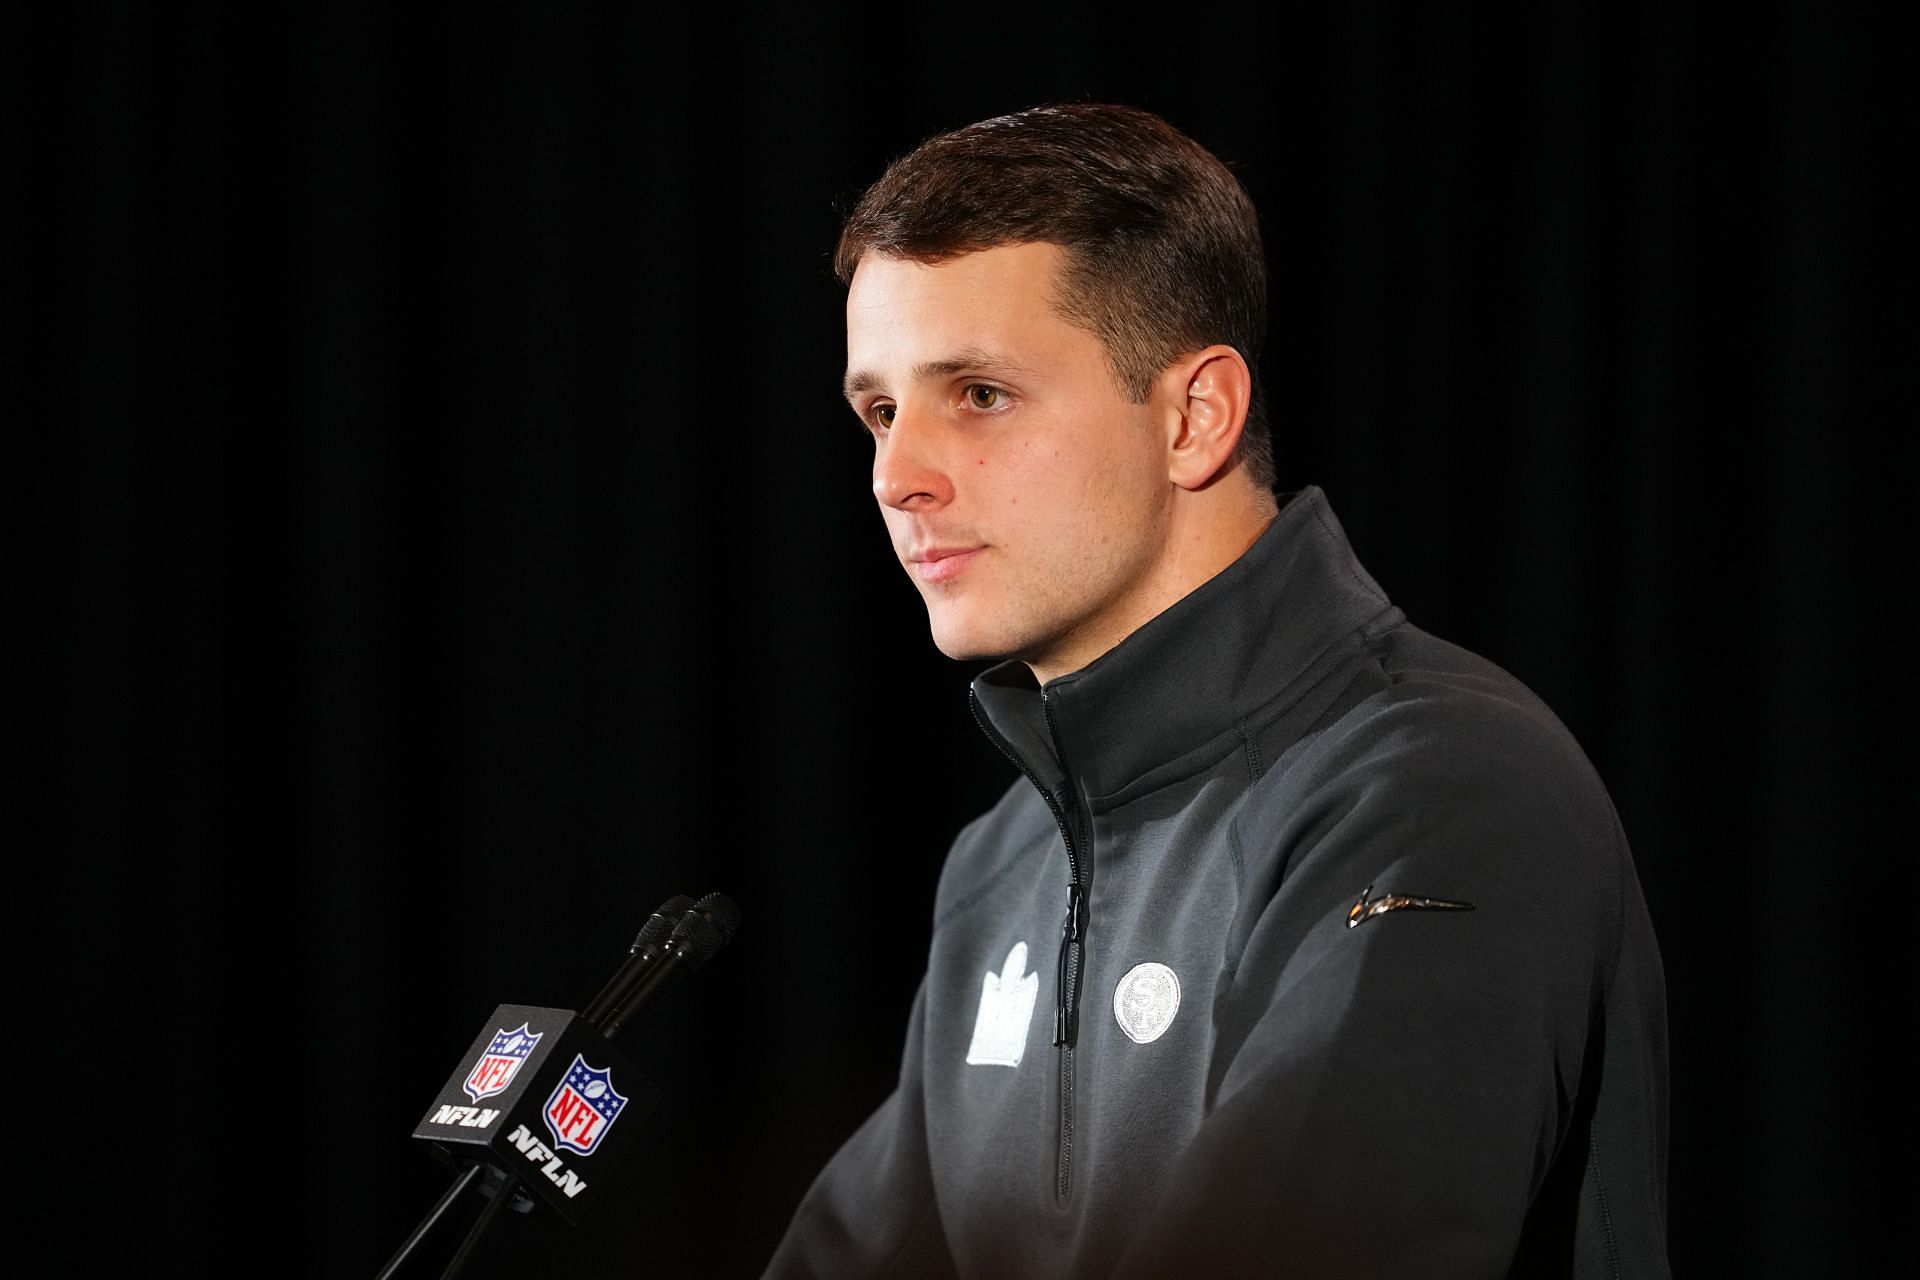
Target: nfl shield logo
[(583, 1108), (501, 1062)]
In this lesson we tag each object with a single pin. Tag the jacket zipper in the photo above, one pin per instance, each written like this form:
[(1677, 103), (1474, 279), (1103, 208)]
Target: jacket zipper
[(1066, 1008)]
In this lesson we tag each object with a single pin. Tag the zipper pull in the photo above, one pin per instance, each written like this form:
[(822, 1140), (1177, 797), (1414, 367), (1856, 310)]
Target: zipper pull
[(1066, 1013)]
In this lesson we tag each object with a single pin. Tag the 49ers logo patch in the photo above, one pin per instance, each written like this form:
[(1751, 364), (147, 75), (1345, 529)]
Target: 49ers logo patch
[(1145, 1001)]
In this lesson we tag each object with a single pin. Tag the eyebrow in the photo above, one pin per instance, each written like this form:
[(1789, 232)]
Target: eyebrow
[(966, 360)]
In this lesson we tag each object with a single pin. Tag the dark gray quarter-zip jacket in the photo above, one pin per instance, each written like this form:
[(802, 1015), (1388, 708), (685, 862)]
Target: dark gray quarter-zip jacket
[(1194, 1005)]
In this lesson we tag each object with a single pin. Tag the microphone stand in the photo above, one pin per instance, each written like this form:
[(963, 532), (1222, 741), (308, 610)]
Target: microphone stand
[(501, 1188), (432, 1220), (504, 1186)]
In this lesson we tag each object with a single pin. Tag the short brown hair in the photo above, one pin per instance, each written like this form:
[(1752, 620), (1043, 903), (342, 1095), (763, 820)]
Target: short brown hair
[(1163, 245)]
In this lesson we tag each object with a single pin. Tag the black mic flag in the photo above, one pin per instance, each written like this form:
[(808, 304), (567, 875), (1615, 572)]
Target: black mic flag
[(544, 1096)]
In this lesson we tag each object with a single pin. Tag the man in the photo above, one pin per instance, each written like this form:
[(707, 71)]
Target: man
[(1306, 944)]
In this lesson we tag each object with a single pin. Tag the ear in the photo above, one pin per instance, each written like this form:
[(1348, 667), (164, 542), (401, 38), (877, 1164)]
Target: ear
[(1208, 394)]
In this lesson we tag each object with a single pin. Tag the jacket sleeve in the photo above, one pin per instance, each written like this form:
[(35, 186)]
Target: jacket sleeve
[(1392, 1098), (871, 1212)]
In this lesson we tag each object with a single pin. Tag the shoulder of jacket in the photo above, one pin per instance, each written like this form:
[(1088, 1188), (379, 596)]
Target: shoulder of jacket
[(1454, 784), (990, 846), (1450, 740)]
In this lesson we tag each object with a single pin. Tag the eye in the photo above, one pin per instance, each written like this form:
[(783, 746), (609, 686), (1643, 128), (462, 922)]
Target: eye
[(883, 415), (981, 396)]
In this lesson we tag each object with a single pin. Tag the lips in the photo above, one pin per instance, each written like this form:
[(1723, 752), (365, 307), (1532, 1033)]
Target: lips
[(942, 564)]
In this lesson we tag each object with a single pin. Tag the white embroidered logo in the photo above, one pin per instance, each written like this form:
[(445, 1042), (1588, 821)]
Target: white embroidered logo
[(1145, 1001), (1006, 1009)]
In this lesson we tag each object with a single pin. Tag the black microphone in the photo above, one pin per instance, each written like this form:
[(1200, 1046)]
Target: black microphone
[(708, 926), (640, 957)]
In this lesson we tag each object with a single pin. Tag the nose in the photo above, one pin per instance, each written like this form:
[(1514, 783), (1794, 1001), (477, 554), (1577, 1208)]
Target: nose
[(907, 471)]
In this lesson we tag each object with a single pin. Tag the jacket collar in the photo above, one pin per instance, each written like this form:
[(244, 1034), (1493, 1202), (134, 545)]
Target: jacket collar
[(1174, 694)]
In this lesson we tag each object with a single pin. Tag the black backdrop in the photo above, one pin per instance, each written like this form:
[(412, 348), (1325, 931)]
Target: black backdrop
[(440, 540)]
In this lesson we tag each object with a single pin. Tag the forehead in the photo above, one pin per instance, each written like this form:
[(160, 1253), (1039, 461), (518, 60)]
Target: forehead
[(901, 313)]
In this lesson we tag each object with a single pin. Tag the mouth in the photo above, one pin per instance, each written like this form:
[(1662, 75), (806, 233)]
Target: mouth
[(942, 564)]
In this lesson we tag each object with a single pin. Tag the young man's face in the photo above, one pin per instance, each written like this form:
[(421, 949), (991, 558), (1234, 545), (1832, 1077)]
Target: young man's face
[(1026, 497)]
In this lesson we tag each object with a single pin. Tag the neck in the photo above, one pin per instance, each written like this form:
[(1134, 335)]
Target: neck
[(1207, 530)]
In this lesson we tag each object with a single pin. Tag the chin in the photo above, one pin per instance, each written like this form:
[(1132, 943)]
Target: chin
[(966, 650), (964, 640)]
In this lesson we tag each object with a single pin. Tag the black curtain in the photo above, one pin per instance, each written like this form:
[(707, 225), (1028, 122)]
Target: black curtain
[(436, 538)]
